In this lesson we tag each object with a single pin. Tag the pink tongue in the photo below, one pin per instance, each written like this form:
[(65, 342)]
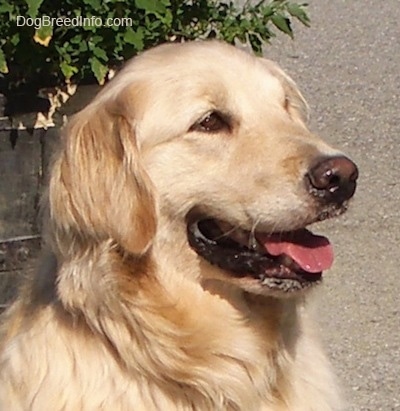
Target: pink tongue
[(313, 253)]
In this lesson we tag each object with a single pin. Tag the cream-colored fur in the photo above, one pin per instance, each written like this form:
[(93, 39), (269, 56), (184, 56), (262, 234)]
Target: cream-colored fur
[(123, 314)]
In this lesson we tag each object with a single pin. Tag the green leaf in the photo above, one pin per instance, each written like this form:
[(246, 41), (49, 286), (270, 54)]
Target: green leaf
[(68, 70), (267, 11), (95, 4), (33, 7), (43, 35), (95, 39), (15, 39), (282, 23), (151, 6), (245, 24), (135, 38), (3, 63), (297, 11), (100, 53), (83, 46), (6, 8), (76, 39), (99, 70)]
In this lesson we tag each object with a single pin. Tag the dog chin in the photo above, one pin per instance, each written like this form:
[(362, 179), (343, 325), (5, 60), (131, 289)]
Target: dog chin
[(267, 286), (277, 288)]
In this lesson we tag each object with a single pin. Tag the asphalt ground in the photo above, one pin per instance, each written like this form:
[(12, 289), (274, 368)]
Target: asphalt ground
[(348, 67)]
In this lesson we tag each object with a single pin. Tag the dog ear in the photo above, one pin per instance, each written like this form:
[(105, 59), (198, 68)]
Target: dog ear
[(297, 104), (98, 188)]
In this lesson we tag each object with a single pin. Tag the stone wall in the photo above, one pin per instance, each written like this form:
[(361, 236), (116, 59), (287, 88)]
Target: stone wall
[(25, 152), (24, 156)]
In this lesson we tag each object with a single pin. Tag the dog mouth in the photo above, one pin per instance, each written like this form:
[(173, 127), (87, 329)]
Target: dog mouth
[(286, 261)]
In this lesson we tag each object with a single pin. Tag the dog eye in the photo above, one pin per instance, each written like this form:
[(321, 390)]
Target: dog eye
[(212, 123)]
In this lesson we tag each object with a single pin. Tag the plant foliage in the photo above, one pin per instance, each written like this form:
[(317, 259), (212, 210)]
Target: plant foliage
[(41, 53)]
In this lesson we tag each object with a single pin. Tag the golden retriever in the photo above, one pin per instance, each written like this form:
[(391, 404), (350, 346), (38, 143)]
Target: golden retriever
[(180, 263)]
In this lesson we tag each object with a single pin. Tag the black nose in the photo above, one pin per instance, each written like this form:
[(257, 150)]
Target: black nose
[(333, 179)]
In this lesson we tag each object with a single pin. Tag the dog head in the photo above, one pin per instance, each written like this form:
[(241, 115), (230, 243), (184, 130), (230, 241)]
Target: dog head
[(199, 154)]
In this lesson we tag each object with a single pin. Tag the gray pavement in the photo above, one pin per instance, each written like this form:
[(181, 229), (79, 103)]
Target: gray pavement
[(348, 66)]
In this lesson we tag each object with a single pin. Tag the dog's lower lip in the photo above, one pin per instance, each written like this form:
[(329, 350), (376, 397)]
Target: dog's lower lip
[(241, 258)]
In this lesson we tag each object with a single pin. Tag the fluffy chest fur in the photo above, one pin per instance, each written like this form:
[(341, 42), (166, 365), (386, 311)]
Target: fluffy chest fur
[(194, 353)]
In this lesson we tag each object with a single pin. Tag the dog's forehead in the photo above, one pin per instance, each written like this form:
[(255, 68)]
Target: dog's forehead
[(212, 68), (185, 82)]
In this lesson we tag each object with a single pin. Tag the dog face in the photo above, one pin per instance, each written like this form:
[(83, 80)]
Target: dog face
[(201, 150)]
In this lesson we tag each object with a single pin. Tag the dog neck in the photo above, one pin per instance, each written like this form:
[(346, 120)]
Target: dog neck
[(218, 343), (243, 332)]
